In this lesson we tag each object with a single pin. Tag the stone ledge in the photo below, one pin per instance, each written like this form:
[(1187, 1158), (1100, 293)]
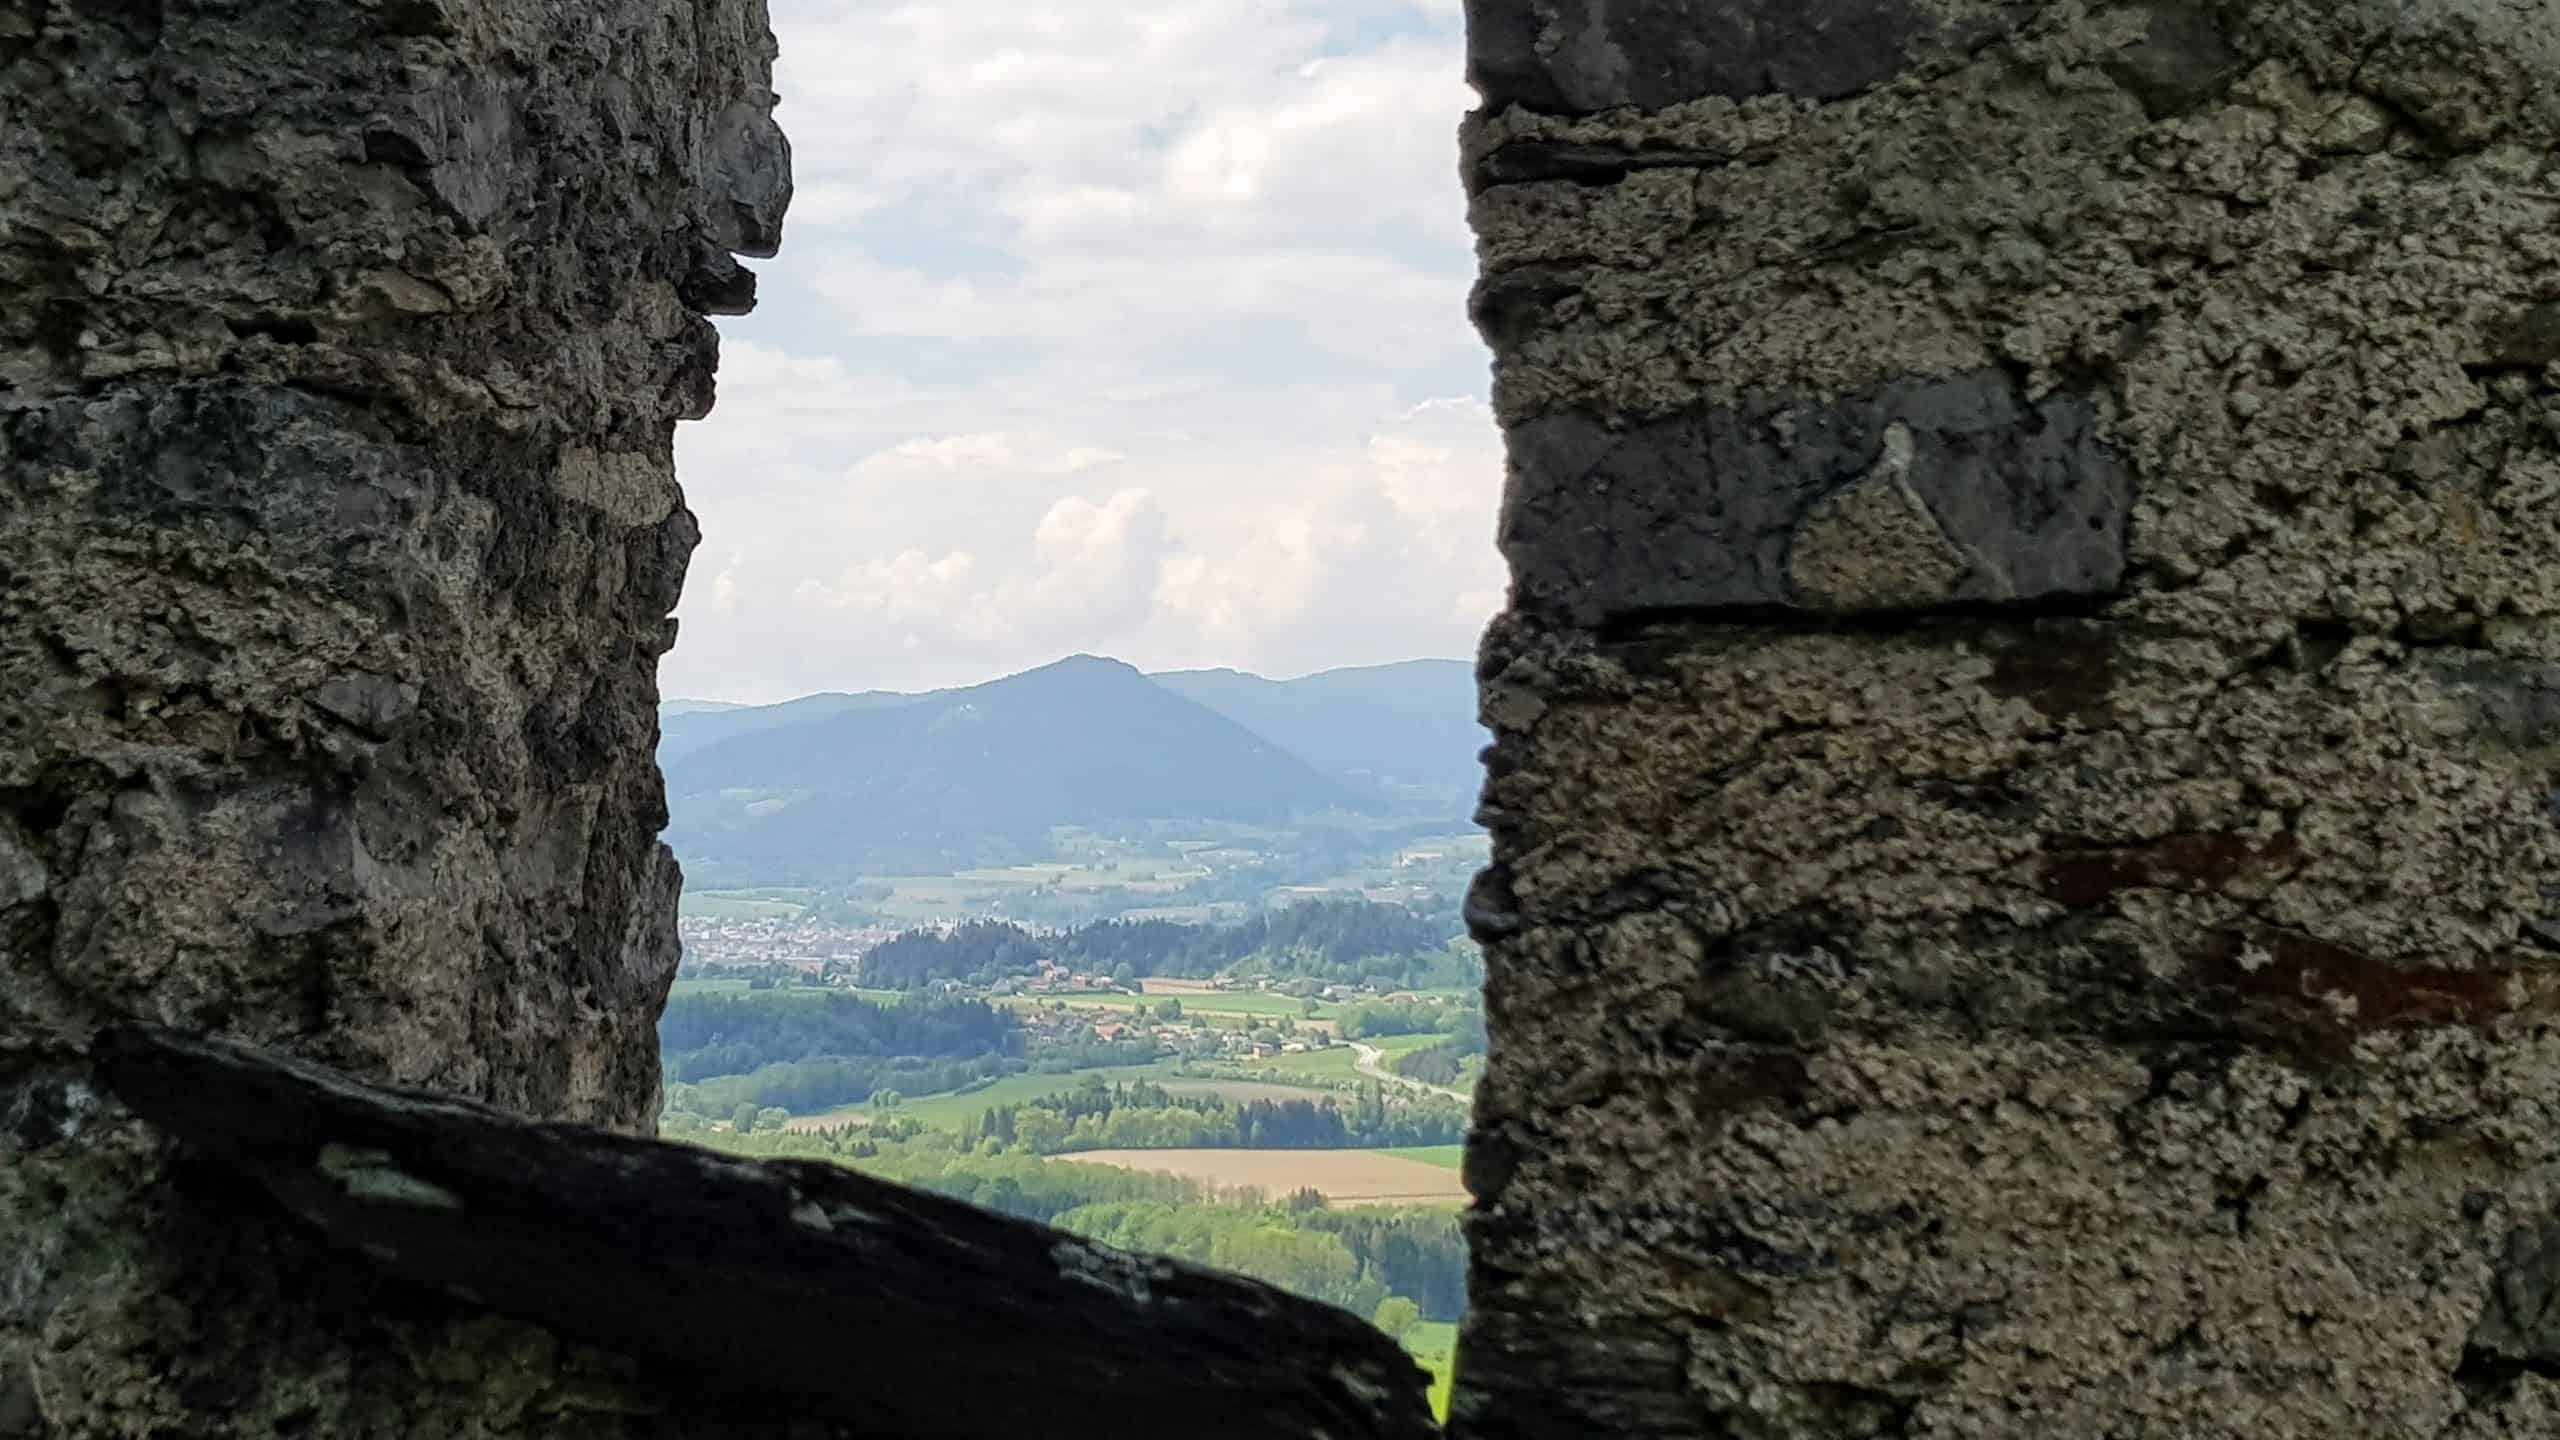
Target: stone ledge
[(807, 1281)]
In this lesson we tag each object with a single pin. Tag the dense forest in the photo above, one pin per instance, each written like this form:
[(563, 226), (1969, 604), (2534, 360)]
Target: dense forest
[(1331, 941), (978, 952), (703, 1035), (935, 783), (1095, 1116), (1372, 1018), (808, 1050), (1445, 1063)]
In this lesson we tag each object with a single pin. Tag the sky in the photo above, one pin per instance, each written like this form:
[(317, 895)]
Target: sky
[(1132, 327)]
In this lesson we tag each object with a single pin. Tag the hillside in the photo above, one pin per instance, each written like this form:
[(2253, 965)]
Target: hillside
[(974, 776), (1407, 726), (685, 726)]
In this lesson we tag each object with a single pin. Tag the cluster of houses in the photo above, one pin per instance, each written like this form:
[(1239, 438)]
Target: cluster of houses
[(1056, 979), (1191, 1038), (806, 946)]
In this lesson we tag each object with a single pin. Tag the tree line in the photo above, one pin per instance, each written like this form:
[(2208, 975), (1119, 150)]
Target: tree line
[(1146, 1116), (976, 952), (1329, 941), (702, 1035), (1370, 1018), (809, 1050), (1445, 1063)]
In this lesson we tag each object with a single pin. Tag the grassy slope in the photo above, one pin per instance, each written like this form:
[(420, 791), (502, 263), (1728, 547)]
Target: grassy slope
[(713, 906), (1434, 1344)]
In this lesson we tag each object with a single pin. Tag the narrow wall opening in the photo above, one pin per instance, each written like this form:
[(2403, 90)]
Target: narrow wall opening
[(1071, 749), (344, 533)]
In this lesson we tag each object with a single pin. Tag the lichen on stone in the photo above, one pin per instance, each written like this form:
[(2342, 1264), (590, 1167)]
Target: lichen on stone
[(342, 353), (2121, 1002)]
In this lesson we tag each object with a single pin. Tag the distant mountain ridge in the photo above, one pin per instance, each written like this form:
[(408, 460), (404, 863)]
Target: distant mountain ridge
[(1409, 725), (955, 778), (1407, 722), (681, 732)]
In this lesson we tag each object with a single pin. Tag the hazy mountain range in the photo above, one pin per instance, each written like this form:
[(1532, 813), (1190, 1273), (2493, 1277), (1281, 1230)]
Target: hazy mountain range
[(884, 782)]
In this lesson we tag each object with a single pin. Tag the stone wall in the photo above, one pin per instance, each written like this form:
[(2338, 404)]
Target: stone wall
[(340, 355), (2026, 895)]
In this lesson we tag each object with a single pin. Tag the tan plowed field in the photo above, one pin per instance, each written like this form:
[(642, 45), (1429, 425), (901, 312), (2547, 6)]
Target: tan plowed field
[(1343, 1177)]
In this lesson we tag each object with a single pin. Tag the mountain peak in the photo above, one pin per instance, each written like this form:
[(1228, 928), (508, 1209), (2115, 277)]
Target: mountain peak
[(981, 775), (1084, 662)]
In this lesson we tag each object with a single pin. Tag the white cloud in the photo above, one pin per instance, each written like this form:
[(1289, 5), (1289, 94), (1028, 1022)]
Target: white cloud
[(1389, 545), (907, 583), (724, 586), (990, 450), (1127, 327)]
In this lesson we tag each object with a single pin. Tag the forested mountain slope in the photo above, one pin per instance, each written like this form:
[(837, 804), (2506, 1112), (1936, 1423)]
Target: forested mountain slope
[(979, 775)]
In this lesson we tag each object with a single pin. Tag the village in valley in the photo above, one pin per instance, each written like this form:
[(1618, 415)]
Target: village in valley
[(1081, 1005), (1244, 1034), (1285, 1094)]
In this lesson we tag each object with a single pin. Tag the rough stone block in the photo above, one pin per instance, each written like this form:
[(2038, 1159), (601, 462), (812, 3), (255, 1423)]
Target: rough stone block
[(1911, 495), (339, 364), (2022, 798), (1577, 56)]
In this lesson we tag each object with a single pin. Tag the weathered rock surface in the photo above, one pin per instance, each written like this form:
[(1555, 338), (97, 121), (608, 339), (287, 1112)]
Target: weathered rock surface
[(338, 367), (796, 1292), (2026, 895), (1915, 494)]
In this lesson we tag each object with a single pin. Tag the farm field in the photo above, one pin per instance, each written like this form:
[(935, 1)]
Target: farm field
[(1343, 1177), (709, 987), (1255, 1003), (1448, 996), (1119, 879), (778, 903), (947, 1112), (1340, 1063), (1242, 1005), (1138, 877), (790, 992), (1245, 1092), (857, 1116), (1447, 1157), (740, 987)]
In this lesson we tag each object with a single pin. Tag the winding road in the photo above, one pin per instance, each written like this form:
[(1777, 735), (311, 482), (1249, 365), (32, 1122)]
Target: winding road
[(1365, 1058)]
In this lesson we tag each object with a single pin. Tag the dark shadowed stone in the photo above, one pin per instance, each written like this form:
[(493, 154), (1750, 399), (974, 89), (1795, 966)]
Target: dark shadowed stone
[(2521, 1322), (2183, 61), (801, 1282), (1621, 1381), (718, 285), (1919, 493), (1533, 160), (753, 177), (19, 1416), (2531, 338), (1575, 56), (2512, 703)]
